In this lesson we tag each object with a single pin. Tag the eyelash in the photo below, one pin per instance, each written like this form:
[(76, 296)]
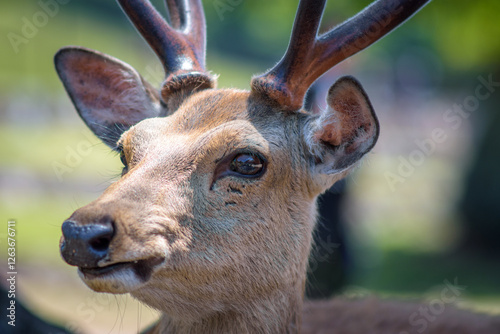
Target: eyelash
[(123, 159)]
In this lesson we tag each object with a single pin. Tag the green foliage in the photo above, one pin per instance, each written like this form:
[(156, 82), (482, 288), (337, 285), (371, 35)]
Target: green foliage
[(465, 33)]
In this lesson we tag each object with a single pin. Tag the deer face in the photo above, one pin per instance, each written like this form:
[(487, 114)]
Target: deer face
[(216, 203), (216, 200), (200, 190)]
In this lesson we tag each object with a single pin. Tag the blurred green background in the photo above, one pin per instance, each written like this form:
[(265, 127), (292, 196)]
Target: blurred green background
[(408, 230)]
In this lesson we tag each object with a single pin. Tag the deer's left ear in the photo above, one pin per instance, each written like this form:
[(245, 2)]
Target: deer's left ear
[(345, 131)]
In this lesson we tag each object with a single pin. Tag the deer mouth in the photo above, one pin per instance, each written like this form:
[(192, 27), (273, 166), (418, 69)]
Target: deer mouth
[(141, 269)]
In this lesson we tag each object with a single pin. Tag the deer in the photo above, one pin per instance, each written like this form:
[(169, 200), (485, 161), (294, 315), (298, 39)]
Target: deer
[(212, 218)]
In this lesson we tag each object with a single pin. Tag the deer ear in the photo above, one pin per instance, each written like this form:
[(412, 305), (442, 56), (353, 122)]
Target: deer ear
[(109, 95), (346, 130)]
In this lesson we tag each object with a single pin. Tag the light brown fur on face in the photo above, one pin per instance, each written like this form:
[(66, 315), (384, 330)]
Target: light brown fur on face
[(227, 255), (226, 245)]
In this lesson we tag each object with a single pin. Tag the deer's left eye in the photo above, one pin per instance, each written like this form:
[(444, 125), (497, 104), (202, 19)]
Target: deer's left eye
[(123, 158), (247, 164)]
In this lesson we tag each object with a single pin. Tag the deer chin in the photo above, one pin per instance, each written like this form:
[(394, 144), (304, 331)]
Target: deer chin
[(121, 277)]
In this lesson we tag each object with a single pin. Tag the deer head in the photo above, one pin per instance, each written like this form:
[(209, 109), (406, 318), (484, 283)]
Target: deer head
[(212, 218)]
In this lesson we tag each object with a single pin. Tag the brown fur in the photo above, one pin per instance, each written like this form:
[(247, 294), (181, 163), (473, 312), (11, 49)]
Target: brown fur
[(374, 316), (220, 241)]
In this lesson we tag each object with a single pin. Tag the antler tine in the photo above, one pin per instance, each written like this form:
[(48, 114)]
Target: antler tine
[(309, 56), (180, 48), (279, 81), (190, 20)]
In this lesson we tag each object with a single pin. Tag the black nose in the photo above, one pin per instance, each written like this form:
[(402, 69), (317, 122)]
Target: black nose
[(85, 245)]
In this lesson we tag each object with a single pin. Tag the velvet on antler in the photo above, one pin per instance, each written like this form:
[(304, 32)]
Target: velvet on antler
[(309, 56), (180, 45)]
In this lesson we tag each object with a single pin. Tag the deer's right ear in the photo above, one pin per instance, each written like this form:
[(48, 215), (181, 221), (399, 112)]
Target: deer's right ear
[(345, 131), (109, 95)]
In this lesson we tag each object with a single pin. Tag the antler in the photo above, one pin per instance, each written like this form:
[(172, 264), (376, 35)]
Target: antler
[(309, 56), (180, 46)]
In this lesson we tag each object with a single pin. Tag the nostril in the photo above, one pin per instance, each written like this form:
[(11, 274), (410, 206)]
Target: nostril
[(101, 242), (85, 245)]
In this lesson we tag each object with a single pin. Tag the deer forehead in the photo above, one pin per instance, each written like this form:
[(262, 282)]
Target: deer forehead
[(210, 108), (210, 124)]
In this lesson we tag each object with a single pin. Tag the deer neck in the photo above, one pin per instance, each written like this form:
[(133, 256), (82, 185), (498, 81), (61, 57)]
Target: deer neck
[(277, 313)]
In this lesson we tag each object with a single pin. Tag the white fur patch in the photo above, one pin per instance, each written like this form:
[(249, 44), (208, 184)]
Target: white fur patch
[(121, 281)]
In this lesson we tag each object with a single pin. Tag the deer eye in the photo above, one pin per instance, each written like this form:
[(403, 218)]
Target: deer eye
[(123, 158), (240, 164), (247, 164)]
